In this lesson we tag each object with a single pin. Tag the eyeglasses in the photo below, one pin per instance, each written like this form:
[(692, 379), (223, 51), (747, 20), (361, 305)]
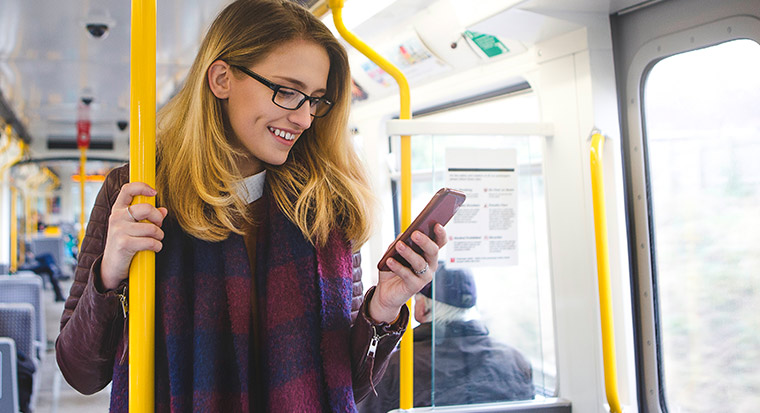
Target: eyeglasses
[(289, 98)]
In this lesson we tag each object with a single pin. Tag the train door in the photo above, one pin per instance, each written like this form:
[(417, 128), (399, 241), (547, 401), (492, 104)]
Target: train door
[(546, 304), (687, 76)]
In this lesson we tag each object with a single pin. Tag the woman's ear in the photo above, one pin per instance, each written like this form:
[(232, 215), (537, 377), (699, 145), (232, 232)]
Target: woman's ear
[(219, 79)]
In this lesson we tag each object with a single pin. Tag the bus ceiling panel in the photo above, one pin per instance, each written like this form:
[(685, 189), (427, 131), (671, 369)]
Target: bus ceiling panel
[(584, 6), (53, 54), (429, 40)]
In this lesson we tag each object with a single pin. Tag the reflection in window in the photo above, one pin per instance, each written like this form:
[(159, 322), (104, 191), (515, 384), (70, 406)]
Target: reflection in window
[(703, 146), (513, 302)]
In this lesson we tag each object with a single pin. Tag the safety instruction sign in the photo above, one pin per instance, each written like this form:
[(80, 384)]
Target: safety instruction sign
[(488, 44), (484, 230)]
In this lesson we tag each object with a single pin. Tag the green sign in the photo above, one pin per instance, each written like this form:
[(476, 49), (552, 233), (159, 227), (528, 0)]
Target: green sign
[(490, 45)]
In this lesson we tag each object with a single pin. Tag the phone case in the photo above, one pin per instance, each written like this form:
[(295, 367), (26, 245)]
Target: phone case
[(440, 209)]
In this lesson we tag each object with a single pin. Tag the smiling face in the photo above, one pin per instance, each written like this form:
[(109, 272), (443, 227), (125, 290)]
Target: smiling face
[(265, 131)]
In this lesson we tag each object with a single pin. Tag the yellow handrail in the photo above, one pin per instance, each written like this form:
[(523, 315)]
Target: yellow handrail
[(14, 230), (142, 168), (10, 163), (603, 271), (33, 184), (82, 174), (53, 178), (25, 230), (7, 144), (406, 399), (14, 211)]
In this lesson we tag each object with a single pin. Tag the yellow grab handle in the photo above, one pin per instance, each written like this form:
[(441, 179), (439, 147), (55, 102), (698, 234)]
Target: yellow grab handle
[(603, 271), (8, 133), (14, 209), (406, 399), (142, 168), (82, 175)]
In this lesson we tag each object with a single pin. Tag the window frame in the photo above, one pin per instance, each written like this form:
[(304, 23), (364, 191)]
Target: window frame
[(643, 272), (541, 131)]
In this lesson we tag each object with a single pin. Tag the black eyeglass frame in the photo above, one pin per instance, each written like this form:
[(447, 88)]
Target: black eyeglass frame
[(276, 88)]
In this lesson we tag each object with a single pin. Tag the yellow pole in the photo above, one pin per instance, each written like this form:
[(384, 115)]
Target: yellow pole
[(7, 144), (142, 168), (14, 212), (33, 187), (603, 271), (406, 383), (7, 165), (53, 178), (27, 226), (82, 175), (14, 230), (54, 182)]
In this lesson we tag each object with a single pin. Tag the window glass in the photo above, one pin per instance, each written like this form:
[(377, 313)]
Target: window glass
[(513, 302), (703, 146)]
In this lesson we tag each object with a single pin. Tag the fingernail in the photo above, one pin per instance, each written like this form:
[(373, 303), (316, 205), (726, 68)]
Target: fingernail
[(417, 236), (400, 245)]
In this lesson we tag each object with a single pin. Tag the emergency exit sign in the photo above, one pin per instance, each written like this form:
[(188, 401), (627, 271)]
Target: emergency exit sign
[(490, 45)]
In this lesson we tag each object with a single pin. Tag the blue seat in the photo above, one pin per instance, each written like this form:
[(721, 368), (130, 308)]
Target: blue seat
[(8, 379), (27, 289), (17, 324)]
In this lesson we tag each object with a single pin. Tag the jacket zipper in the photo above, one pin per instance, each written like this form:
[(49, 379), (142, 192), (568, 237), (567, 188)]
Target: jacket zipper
[(125, 311), (123, 299), (373, 342)]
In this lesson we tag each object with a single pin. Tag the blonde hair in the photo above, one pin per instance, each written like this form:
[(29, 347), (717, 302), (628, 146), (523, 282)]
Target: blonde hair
[(321, 185)]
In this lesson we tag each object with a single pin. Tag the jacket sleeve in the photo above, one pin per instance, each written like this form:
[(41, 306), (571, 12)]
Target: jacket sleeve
[(387, 390), (92, 321), (368, 365)]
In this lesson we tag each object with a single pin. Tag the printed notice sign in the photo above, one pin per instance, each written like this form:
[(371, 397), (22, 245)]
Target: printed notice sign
[(484, 230)]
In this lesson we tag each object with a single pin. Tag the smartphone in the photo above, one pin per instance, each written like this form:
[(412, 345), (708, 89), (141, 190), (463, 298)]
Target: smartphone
[(439, 210)]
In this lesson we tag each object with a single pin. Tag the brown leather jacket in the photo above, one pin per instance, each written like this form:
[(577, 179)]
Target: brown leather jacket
[(93, 322)]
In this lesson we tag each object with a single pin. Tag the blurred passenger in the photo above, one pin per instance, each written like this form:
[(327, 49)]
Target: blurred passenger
[(45, 266), (469, 368), (262, 202)]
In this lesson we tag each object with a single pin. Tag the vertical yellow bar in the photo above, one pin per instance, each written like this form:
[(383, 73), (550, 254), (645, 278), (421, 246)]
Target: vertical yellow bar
[(27, 226), (14, 202), (7, 144), (82, 175), (406, 383), (34, 215), (603, 271), (14, 230), (142, 168)]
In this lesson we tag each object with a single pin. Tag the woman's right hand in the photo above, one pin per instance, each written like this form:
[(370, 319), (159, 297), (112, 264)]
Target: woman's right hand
[(126, 236)]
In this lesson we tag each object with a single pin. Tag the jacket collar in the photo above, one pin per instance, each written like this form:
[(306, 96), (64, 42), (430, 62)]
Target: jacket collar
[(424, 331)]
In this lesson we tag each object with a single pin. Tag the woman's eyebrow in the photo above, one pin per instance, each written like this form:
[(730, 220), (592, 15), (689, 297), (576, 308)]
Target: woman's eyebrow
[(299, 85)]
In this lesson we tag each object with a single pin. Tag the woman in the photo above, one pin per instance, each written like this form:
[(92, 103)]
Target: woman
[(263, 202)]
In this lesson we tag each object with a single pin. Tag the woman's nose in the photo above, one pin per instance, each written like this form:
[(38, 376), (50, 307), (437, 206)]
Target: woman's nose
[(301, 116)]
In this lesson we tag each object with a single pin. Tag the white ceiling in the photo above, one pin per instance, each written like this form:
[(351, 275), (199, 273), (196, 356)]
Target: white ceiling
[(48, 60)]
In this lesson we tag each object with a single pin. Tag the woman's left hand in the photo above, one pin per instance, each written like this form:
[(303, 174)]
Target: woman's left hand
[(396, 287)]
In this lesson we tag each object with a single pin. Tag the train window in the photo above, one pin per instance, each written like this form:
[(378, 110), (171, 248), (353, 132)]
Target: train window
[(702, 146), (513, 301)]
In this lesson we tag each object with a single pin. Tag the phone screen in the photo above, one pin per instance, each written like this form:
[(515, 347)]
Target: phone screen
[(439, 210)]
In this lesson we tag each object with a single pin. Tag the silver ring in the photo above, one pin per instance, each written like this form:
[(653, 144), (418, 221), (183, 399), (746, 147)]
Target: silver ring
[(422, 271), (133, 217)]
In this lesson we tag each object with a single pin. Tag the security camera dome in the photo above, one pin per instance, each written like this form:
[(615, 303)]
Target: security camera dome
[(97, 30), (98, 22)]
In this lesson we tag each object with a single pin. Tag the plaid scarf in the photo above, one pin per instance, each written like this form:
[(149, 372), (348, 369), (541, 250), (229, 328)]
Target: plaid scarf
[(204, 340)]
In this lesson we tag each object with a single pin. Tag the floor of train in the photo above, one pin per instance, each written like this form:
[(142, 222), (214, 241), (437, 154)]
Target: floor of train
[(70, 401)]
